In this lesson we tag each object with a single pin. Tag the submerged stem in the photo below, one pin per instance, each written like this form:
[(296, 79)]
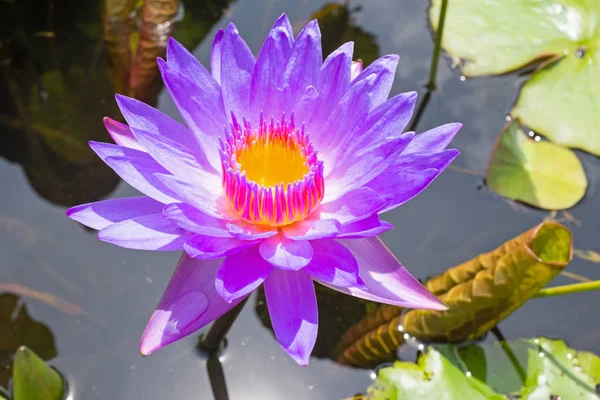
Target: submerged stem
[(510, 354), (211, 342), (438, 46), (569, 289)]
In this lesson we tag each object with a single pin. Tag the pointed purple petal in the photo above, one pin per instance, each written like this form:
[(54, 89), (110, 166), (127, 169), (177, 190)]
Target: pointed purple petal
[(101, 214), (286, 253), (136, 168), (204, 196), (167, 141), (410, 175), (382, 125), (304, 64), (237, 65), (384, 68), (209, 247), (215, 55), (334, 81), (311, 229), (200, 103), (268, 72), (247, 231), (190, 302), (149, 232), (121, 134), (434, 140), (387, 281), (292, 305), (193, 220), (241, 273), (368, 227), (333, 263), (355, 205)]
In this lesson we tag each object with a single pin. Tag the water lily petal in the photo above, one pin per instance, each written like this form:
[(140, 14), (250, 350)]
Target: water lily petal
[(311, 229), (386, 280), (189, 303), (193, 220), (166, 140), (355, 205), (121, 134), (382, 125), (136, 168), (215, 55), (434, 140), (304, 63), (384, 68), (410, 175), (367, 227), (268, 73), (241, 273), (148, 232), (237, 65), (286, 253), (101, 214), (292, 305), (209, 247), (205, 196), (247, 231), (365, 168), (334, 81), (333, 263)]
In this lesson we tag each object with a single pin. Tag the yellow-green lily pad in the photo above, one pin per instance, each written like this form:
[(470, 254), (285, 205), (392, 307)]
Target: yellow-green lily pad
[(533, 369), (562, 101), (498, 36), (535, 172), (34, 380)]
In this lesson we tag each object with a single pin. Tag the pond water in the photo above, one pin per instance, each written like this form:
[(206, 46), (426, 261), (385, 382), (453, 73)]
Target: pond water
[(108, 293)]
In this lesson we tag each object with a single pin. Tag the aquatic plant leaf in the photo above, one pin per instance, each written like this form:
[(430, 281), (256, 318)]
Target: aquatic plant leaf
[(33, 379), (536, 369), (498, 36), (433, 377), (550, 369), (561, 100), (539, 173), (480, 293), (18, 329)]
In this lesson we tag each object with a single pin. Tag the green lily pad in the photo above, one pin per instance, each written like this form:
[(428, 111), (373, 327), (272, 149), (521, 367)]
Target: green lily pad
[(561, 101), (498, 36), (434, 377), (34, 380), (534, 369), (535, 172)]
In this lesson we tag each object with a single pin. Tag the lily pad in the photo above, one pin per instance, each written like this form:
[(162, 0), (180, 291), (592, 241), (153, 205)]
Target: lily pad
[(538, 369), (499, 36), (433, 377), (561, 101), (34, 380), (535, 172)]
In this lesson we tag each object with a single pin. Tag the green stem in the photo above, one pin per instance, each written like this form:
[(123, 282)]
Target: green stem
[(510, 354), (569, 289), (438, 46)]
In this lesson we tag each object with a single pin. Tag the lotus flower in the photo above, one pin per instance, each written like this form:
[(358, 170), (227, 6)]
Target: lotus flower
[(278, 178)]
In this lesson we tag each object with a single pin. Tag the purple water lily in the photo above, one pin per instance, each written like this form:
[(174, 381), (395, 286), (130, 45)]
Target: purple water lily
[(279, 179)]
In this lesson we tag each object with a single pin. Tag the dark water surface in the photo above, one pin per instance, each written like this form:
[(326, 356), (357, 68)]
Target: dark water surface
[(455, 219)]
